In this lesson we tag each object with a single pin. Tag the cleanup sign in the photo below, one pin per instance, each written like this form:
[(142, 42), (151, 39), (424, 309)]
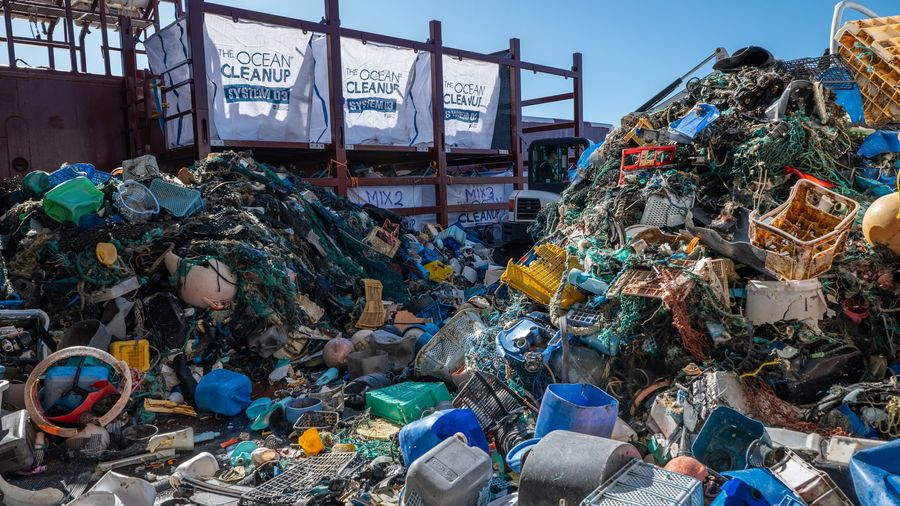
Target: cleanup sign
[(375, 84), (260, 80)]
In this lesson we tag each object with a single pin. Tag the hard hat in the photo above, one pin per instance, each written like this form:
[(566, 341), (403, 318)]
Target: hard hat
[(881, 225)]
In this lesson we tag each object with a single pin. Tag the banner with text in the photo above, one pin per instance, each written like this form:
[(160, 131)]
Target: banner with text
[(393, 197), (260, 80), (167, 51), (376, 83), (458, 194), (471, 96)]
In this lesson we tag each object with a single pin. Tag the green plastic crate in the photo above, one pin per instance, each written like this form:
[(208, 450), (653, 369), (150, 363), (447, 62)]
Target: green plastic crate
[(404, 402)]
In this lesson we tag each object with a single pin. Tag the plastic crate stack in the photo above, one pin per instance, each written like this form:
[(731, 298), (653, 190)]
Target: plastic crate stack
[(871, 49)]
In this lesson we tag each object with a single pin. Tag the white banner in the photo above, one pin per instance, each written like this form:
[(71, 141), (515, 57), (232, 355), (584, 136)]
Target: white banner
[(260, 80), (471, 96), (393, 197), (376, 83), (458, 194), (166, 50)]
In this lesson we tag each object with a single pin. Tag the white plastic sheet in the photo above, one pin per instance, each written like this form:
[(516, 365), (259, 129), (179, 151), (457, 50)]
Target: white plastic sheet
[(166, 51)]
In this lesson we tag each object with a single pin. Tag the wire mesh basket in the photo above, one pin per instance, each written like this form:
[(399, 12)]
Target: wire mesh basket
[(319, 420), (490, 398), (293, 485), (540, 278), (803, 235), (135, 202), (373, 314), (648, 485), (179, 201), (446, 351), (829, 69)]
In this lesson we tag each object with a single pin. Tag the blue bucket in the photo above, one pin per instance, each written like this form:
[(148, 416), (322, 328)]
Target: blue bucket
[(418, 437), (576, 407)]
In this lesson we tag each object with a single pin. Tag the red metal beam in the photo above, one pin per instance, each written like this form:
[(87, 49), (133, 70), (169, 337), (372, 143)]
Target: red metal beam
[(336, 92), (578, 94), (437, 118), (515, 99), (392, 181), (129, 75), (70, 35), (262, 17), (199, 95), (10, 44), (105, 36), (562, 125), (548, 99)]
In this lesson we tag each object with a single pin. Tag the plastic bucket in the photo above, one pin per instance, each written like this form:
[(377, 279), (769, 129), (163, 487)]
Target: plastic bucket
[(296, 407), (577, 407), (418, 437)]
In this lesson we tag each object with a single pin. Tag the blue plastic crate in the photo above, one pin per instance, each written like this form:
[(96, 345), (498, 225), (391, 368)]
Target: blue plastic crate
[(179, 201), (71, 171)]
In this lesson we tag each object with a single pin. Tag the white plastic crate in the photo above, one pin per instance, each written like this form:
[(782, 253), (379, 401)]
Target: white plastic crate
[(666, 210), (639, 483)]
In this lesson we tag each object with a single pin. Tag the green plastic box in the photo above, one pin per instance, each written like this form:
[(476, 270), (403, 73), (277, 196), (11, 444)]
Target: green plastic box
[(73, 199), (404, 402)]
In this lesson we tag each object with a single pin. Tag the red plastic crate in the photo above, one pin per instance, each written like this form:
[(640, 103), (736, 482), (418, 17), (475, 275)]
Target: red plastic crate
[(646, 158)]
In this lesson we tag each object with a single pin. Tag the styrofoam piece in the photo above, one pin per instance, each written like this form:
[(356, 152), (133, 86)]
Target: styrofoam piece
[(842, 448), (712, 390), (795, 440), (493, 274), (661, 416), (131, 491), (775, 301), (623, 432)]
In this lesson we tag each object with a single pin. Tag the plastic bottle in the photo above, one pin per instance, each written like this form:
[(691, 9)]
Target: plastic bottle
[(587, 282)]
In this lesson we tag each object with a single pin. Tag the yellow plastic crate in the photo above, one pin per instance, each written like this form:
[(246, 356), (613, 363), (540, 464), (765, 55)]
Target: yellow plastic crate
[(134, 353), (803, 235), (540, 279)]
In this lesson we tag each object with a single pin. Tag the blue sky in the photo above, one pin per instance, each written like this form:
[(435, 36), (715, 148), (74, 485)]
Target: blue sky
[(631, 50)]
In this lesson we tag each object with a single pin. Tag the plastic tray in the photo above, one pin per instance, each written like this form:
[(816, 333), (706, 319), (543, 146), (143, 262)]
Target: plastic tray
[(134, 353), (803, 235), (647, 485), (179, 201), (446, 351), (540, 278)]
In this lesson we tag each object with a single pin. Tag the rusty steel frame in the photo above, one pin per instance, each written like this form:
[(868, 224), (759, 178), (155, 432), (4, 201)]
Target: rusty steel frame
[(330, 26)]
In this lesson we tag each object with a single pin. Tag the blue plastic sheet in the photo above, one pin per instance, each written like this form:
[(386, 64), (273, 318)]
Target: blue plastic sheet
[(851, 101), (737, 491), (686, 128), (882, 141), (876, 475)]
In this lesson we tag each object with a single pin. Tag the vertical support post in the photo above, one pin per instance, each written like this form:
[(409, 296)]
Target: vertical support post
[(129, 77), (515, 106), (199, 95), (51, 58), (70, 35), (437, 118), (105, 36), (81, 49), (578, 95), (336, 92), (10, 45)]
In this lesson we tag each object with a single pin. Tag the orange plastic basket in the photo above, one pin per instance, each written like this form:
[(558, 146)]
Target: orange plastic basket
[(540, 279), (385, 239), (803, 235), (871, 48)]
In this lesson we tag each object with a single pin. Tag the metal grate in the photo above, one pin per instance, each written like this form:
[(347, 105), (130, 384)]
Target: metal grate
[(527, 209), (292, 485), (446, 351), (489, 398), (647, 485), (830, 70), (321, 420)]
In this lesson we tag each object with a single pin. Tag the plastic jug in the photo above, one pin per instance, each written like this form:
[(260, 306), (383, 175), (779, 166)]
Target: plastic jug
[(577, 407), (68, 202), (587, 282), (450, 474), (422, 435), (224, 392)]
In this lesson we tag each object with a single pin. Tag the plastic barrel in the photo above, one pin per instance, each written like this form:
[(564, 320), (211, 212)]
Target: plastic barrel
[(577, 407), (422, 435)]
